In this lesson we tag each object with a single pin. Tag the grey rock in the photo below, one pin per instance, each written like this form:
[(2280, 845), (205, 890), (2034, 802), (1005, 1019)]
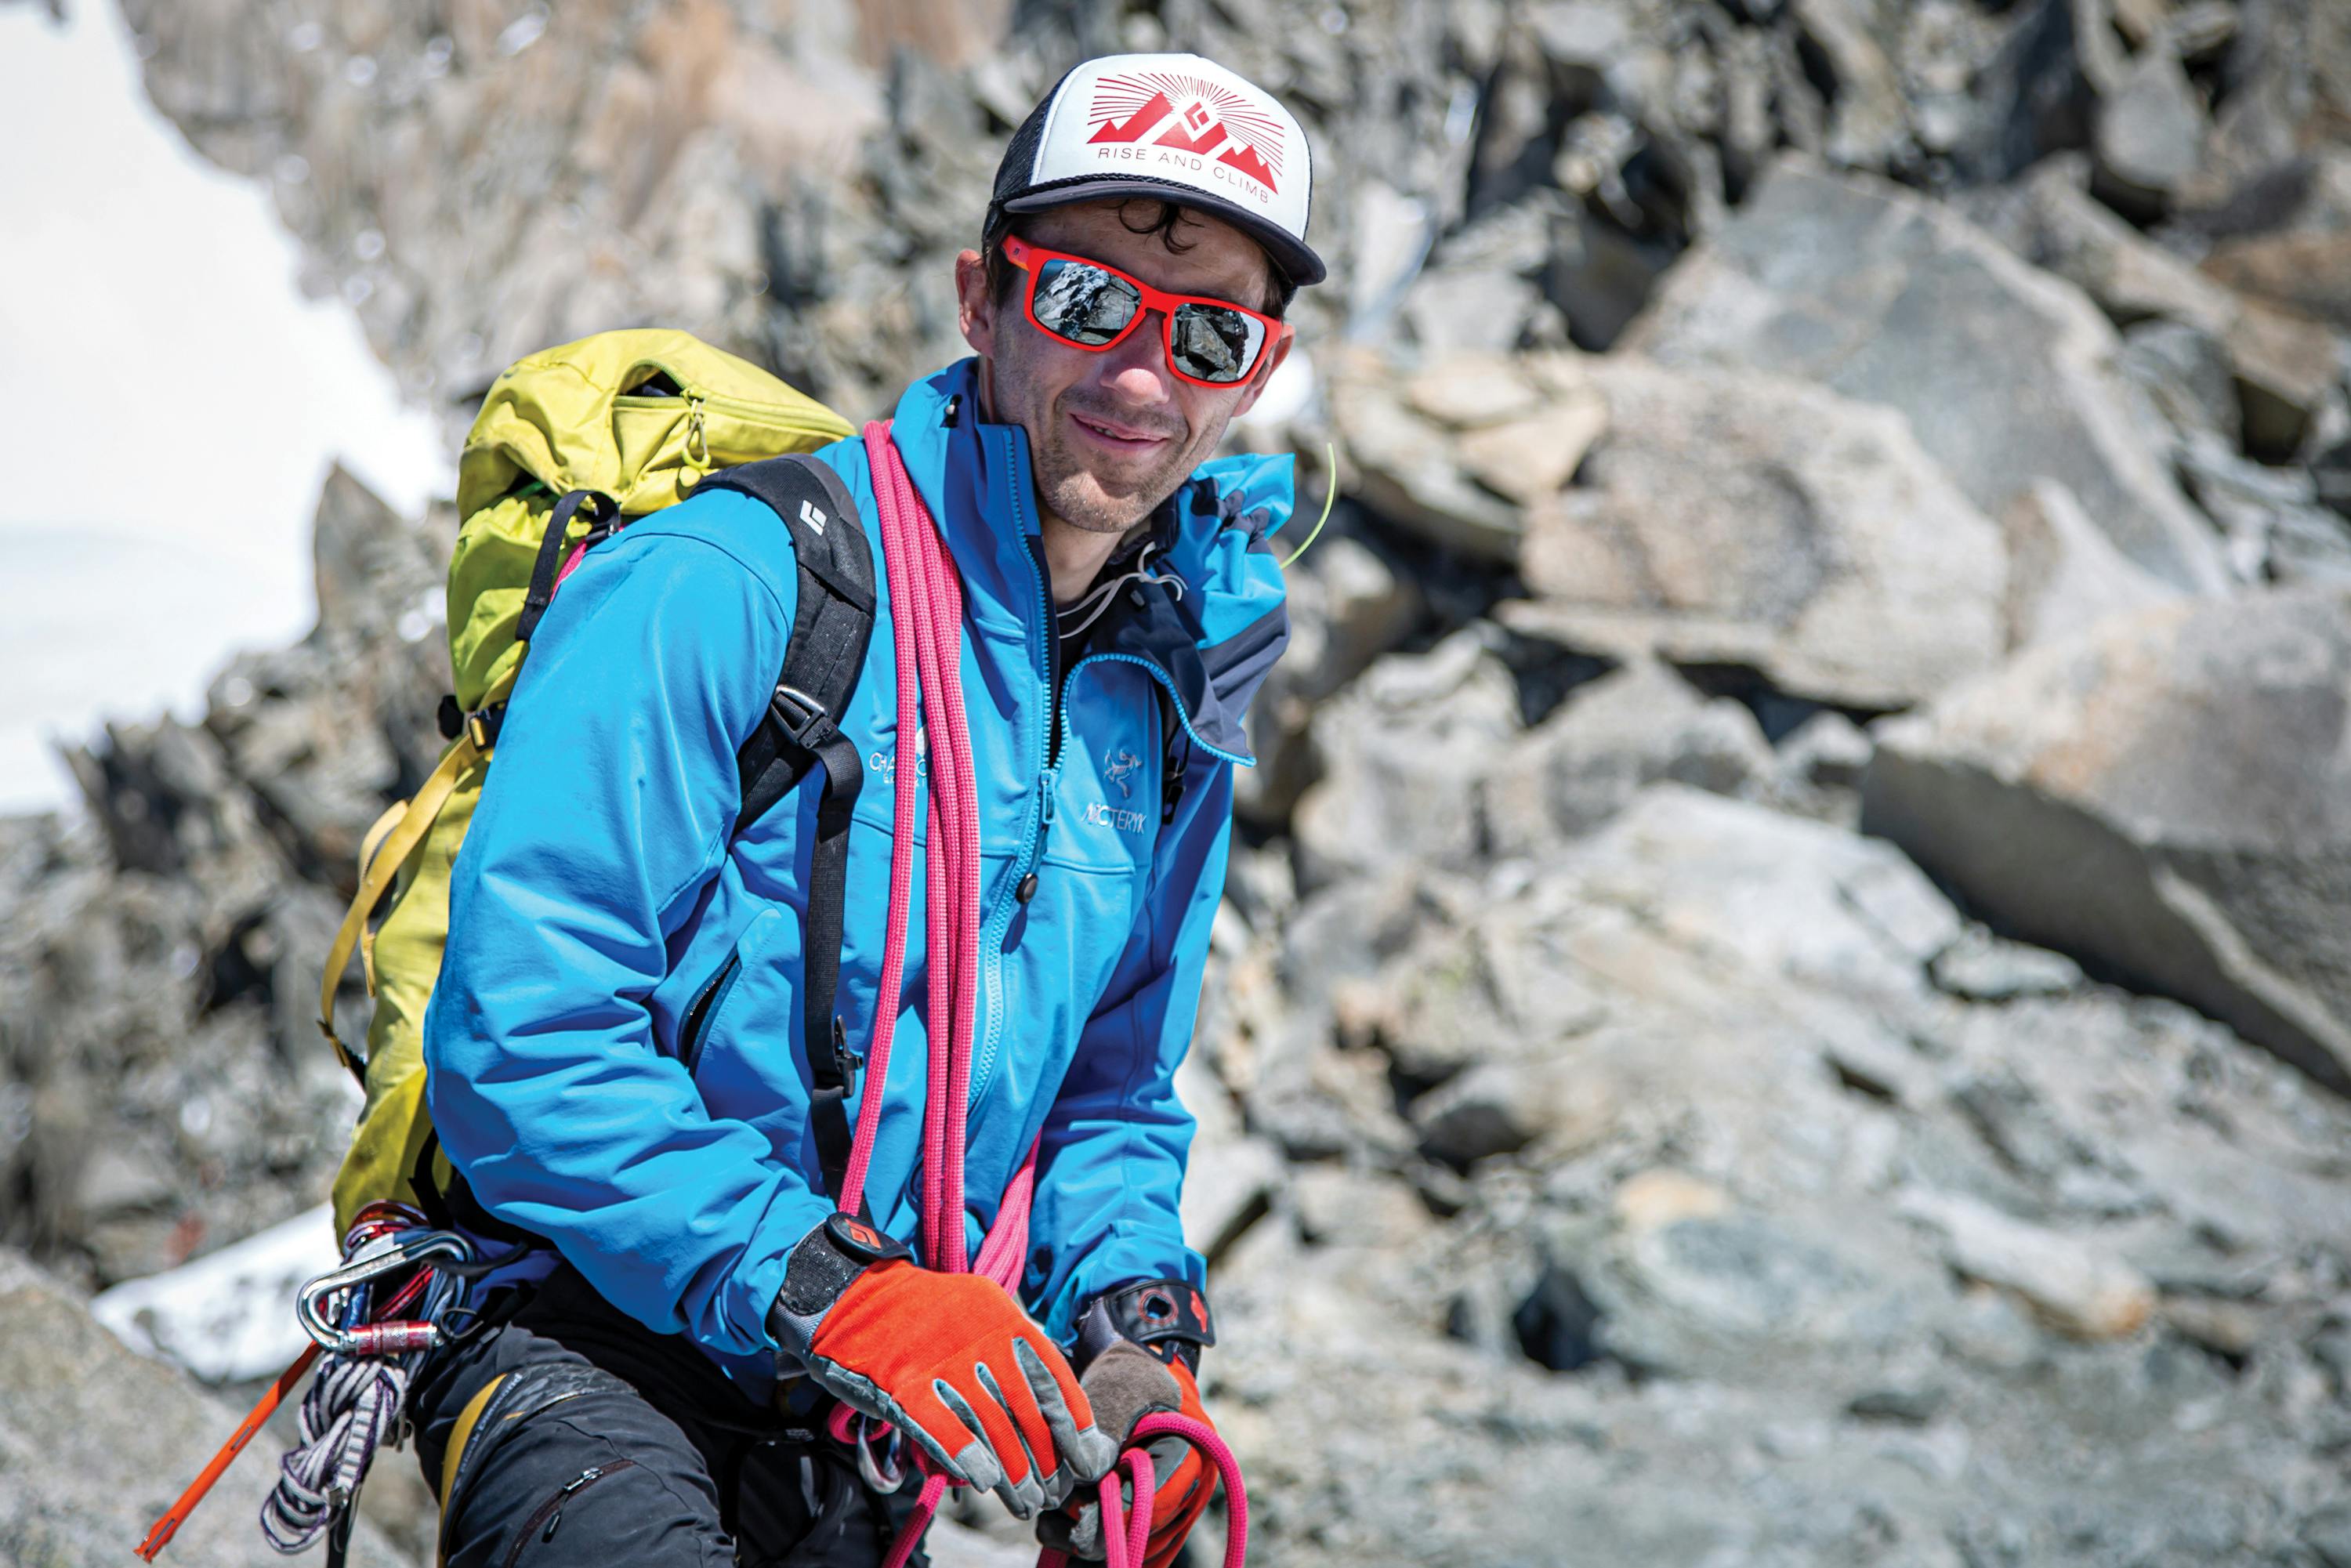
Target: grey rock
[(2184, 372), (2003, 374), (1595, 752), (2287, 366), (2033, 91), (2079, 1288), (2309, 274), (2052, 220), (2162, 797), (95, 1443), (1827, 751), (1983, 968), (2327, 1532), (1452, 1000), (1502, 1108), (1403, 749), (2064, 575), (2150, 134), (1818, 769), (1740, 519), (2277, 530), (2331, 479), (1341, 1207), (1347, 606), (1481, 290), (1906, 1406), (1228, 1186), (1868, 123), (1412, 474), (1557, 1325)]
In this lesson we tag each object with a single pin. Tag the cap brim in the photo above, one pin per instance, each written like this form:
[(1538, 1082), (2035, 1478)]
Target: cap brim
[(1290, 252)]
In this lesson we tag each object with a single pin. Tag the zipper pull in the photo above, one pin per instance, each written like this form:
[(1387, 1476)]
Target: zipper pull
[(1052, 789), (697, 436)]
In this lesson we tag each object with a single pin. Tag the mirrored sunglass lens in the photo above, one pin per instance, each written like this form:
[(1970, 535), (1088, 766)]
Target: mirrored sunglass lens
[(1215, 344), (1082, 303)]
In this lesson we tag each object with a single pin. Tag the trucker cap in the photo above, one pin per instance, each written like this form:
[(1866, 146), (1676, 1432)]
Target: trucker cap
[(1177, 127)]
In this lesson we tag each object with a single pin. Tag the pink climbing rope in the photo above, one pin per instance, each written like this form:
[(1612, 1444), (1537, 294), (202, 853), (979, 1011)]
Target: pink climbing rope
[(927, 629), (1124, 1539)]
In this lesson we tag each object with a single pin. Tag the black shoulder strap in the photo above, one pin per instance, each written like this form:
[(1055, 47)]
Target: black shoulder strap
[(602, 512), (830, 628)]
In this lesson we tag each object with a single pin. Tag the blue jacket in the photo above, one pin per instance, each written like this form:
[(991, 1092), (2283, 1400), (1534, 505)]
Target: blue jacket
[(597, 895)]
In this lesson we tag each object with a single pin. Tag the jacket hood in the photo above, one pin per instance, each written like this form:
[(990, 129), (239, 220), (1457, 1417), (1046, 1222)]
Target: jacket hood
[(1210, 632)]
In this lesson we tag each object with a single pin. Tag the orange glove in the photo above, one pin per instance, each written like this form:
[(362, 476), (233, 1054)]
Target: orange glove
[(1124, 1382), (949, 1359)]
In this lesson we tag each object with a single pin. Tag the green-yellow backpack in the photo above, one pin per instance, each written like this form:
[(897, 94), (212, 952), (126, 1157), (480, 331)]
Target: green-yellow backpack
[(569, 445)]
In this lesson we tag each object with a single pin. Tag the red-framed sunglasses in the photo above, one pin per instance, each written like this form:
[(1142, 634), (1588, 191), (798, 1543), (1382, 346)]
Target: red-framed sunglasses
[(1088, 305)]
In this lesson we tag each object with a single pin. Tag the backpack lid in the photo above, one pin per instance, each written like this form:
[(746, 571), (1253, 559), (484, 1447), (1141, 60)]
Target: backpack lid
[(569, 418)]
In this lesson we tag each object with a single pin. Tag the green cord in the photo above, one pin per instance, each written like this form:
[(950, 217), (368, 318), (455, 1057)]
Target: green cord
[(1330, 494)]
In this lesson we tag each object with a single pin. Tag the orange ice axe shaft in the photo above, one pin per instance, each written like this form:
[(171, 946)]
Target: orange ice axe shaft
[(177, 1514)]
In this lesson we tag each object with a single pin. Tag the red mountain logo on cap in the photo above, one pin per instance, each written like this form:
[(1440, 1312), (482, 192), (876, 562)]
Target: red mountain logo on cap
[(1199, 116)]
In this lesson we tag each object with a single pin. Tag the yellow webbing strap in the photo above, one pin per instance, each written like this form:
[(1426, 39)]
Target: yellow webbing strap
[(368, 846), (386, 850), (458, 1437)]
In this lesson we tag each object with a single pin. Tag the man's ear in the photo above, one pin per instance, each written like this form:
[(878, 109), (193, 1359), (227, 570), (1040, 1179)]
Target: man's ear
[(975, 311), (1275, 353)]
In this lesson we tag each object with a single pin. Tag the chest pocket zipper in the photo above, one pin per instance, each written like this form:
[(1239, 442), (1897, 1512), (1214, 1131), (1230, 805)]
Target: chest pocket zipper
[(696, 1026)]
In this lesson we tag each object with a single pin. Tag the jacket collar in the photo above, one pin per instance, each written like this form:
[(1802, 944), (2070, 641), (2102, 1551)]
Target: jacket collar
[(1210, 637)]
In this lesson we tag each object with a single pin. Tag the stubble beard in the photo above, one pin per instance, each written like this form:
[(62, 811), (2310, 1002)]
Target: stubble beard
[(1075, 494)]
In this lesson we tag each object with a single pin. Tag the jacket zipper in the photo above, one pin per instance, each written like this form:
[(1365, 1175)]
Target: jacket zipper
[(1049, 747), (543, 1521)]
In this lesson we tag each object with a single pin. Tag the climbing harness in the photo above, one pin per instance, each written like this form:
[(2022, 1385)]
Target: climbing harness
[(355, 1403)]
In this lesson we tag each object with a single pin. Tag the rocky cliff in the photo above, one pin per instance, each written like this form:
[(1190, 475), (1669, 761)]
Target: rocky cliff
[(1785, 998)]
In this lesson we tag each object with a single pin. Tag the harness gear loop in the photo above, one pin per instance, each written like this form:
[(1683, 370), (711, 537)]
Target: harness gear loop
[(366, 1352)]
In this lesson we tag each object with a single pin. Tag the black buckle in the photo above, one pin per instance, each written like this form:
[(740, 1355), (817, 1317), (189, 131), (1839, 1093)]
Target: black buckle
[(840, 1073), (802, 718)]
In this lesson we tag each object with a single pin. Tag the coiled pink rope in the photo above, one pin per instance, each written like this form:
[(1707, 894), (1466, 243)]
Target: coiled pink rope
[(1125, 1540), (927, 629)]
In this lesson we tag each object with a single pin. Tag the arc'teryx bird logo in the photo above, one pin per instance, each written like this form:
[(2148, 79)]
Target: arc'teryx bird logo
[(1119, 767), (1200, 117)]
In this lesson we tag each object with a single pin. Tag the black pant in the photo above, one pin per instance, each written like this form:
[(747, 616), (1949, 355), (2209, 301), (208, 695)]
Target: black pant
[(590, 1439)]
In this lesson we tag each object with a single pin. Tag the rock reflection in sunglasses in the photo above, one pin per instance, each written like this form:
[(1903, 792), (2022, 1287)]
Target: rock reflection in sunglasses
[(1211, 344), (1083, 303)]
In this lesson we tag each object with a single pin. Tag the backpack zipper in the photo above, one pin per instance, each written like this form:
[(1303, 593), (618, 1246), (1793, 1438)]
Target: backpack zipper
[(738, 408)]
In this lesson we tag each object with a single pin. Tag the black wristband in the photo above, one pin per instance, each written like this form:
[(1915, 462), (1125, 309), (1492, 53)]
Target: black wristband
[(827, 1259), (1166, 1317)]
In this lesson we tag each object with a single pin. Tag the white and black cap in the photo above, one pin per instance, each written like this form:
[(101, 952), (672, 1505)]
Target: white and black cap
[(1177, 127)]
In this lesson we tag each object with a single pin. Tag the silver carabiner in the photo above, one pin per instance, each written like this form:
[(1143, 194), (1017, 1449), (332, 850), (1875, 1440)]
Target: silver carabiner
[(385, 1256), (869, 1469)]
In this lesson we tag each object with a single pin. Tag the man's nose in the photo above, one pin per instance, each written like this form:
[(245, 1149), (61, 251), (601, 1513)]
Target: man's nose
[(1136, 365)]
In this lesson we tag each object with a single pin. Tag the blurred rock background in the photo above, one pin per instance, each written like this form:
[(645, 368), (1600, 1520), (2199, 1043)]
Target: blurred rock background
[(1787, 997)]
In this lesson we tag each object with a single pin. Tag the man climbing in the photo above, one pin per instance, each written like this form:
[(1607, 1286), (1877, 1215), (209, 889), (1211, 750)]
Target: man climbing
[(701, 1299)]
